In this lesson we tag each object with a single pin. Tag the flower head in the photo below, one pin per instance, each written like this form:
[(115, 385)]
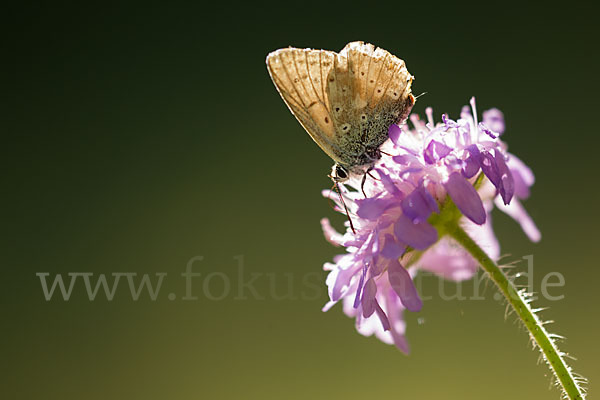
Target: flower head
[(423, 167)]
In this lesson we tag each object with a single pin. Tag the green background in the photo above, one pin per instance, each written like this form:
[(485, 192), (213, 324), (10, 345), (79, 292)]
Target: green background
[(137, 137)]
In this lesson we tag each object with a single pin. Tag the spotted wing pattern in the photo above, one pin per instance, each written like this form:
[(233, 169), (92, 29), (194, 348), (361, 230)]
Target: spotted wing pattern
[(345, 101)]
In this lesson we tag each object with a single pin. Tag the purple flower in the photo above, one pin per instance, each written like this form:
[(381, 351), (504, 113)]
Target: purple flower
[(463, 160)]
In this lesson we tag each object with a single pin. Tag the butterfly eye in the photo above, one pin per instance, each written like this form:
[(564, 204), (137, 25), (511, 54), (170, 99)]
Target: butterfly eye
[(340, 173)]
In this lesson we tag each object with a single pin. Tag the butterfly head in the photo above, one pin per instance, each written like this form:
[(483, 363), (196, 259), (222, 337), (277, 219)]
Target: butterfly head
[(339, 173)]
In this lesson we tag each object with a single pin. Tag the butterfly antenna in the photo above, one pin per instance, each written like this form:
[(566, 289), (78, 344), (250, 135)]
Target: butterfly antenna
[(422, 94), (373, 176), (345, 208), (330, 200), (362, 184)]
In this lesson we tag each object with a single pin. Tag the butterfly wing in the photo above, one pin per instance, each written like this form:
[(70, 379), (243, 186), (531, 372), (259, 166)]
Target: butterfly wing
[(381, 76), (300, 77), (345, 101), (368, 90)]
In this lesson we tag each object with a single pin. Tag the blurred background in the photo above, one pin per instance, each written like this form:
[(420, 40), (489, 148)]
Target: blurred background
[(139, 138)]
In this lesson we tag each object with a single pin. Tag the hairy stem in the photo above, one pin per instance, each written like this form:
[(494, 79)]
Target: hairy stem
[(570, 385)]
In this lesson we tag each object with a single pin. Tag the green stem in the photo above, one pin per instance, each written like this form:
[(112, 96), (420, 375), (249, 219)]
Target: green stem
[(514, 297)]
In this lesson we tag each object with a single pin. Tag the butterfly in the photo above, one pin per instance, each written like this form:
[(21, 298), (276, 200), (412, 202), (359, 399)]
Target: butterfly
[(346, 101)]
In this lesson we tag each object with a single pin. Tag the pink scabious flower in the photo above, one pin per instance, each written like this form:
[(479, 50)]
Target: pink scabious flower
[(463, 160)]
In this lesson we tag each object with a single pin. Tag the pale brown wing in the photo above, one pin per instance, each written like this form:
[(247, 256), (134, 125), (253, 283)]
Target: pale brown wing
[(300, 77), (369, 89), (380, 77), (345, 101)]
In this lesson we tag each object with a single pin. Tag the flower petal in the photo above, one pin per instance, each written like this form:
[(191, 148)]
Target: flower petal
[(403, 159), (522, 175), (474, 152), (394, 132), (372, 207), (377, 265), (419, 235), (382, 317), (490, 168), (483, 235), (466, 198), (392, 249), (368, 298), (419, 204), (495, 120), (332, 236), (338, 280), (449, 261), (471, 167), (514, 163), (521, 187), (517, 212), (360, 287), (400, 342), (404, 287), (507, 183), (388, 183), (435, 151), (495, 168)]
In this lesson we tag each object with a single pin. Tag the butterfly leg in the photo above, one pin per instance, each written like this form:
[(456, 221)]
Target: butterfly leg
[(369, 173), (344, 204), (362, 184), (364, 179)]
